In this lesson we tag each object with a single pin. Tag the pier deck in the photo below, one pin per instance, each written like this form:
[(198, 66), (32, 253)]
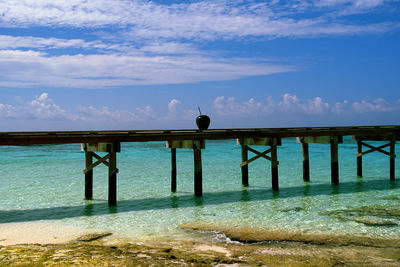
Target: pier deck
[(65, 137)]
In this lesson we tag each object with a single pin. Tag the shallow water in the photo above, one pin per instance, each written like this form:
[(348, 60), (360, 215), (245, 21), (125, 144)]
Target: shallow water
[(46, 183)]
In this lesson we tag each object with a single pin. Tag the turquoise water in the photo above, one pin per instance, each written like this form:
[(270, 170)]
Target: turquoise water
[(46, 183)]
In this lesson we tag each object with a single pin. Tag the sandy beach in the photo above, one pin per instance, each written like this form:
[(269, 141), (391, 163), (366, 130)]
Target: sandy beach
[(71, 246)]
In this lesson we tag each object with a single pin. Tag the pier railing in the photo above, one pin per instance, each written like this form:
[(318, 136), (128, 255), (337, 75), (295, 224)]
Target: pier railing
[(110, 142)]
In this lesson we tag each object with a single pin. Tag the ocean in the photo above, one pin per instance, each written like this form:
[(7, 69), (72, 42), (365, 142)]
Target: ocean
[(46, 184)]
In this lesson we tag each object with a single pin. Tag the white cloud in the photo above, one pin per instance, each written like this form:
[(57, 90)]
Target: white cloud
[(8, 111), (340, 107), (148, 42), (30, 68), (229, 106), (172, 105), (176, 113), (92, 113), (378, 105), (31, 42), (316, 106), (289, 104), (348, 7), (44, 108), (170, 48), (146, 112), (41, 108), (196, 20), (360, 3)]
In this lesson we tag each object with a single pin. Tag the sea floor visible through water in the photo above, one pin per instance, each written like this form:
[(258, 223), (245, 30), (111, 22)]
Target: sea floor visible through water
[(44, 185)]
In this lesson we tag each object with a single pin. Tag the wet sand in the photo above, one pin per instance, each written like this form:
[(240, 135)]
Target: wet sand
[(39, 233), (276, 249)]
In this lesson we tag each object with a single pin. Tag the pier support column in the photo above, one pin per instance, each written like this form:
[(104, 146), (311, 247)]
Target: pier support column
[(391, 139), (392, 157), (333, 141), (173, 169), (88, 176), (359, 158), (198, 176), (274, 168), (245, 168), (306, 163), (273, 142), (110, 160), (112, 179), (197, 146), (334, 162)]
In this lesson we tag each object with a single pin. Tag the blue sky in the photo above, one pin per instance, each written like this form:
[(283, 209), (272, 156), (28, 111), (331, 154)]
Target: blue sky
[(127, 64)]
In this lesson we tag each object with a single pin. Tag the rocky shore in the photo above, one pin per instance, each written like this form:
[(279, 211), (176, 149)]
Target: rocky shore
[(104, 250)]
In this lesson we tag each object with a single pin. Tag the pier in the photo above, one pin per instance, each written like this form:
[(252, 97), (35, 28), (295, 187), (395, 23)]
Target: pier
[(109, 142)]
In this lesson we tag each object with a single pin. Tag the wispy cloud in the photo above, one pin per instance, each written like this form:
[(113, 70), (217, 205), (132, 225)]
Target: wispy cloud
[(195, 20), (105, 114), (40, 43), (148, 42), (348, 7), (30, 68)]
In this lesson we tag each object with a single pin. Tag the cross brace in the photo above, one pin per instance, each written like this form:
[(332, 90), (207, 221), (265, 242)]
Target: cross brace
[(259, 155), (372, 149), (391, 153), (100, 160)]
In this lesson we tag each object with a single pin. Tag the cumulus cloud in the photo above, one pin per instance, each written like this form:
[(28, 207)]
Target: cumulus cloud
[(177, 113), (288, 104), (41, 108), (340, 107), (229, 106), (378, 105), (8, 111), (316, 106), (292, 104), (172, 105)]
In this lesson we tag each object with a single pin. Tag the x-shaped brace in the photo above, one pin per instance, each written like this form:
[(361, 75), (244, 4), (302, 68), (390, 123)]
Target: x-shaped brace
[(258, 155), (100, 160), (372, 149)]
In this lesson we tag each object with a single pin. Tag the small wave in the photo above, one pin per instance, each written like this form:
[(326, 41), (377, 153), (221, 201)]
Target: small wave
[(259, 235)]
